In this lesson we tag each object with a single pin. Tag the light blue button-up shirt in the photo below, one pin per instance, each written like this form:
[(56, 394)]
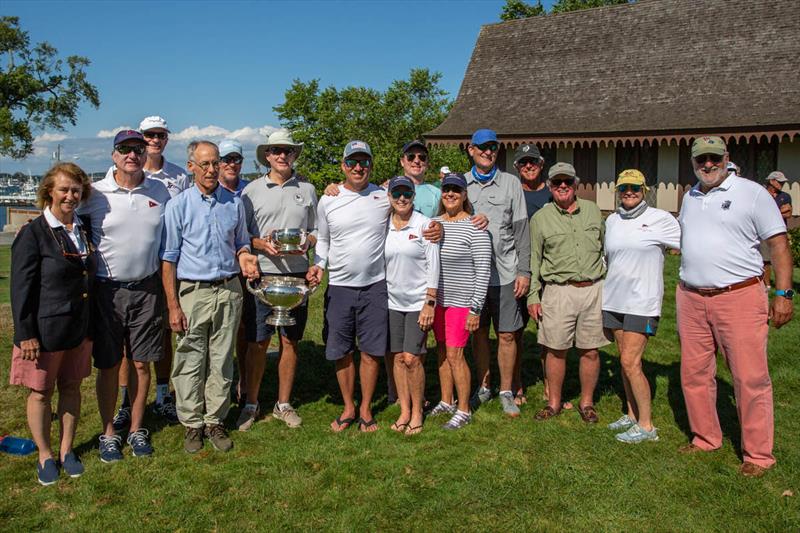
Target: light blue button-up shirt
[(203, 234)]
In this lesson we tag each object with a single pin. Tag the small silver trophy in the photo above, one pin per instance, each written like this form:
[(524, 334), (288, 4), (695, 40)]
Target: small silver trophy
[(282, 293), (290, 240)]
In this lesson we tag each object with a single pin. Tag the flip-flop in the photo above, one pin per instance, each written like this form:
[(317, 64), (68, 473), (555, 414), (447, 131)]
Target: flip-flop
[(343, 423), (363, 424), (400, 428), (413, 430)]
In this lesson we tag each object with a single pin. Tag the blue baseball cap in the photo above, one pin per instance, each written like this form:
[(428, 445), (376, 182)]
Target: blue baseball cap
[(128, 135), (230, 146), (455, 179), (357, 147), (483, 136), (401, 181)]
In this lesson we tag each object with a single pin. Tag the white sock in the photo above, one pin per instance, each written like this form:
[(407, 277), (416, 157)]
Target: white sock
[(162, 390), (253, 406), (284, 406), (505, 391)]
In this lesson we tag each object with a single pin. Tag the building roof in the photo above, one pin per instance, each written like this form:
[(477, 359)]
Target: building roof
[(642, 70)]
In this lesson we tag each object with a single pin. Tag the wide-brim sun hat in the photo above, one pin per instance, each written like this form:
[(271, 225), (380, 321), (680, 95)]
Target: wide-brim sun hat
[(277, 138)]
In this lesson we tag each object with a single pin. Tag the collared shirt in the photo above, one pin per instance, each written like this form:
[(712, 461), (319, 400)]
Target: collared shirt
[(126, 227), (721, 230), (241, 183), (174, 178), (502, 201), (426, 199), (352, 231), (203, 234), (566, 246), (269, 206), (75, 235), (412, 264)]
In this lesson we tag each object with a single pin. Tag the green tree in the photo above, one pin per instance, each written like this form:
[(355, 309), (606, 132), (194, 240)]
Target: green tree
[(326, 119), (37, 89), (517, 9), (562, 6)]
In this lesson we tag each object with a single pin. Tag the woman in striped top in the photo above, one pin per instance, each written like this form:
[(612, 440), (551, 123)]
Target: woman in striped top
[(465, 259)]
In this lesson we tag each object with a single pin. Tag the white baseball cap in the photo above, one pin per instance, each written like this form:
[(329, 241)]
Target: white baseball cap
[(152, 123), (777, 176), (445, 170)]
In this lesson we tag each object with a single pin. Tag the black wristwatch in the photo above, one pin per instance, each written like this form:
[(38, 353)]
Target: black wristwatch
[(787, 293), (475, 310), (431, 302)]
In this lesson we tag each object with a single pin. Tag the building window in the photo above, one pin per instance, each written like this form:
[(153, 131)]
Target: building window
[(643, 157)]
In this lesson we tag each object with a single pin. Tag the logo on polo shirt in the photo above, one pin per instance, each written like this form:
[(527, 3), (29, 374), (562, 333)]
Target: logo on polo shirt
[(726, 205), (411, 237), (298, 198), (151, 203)]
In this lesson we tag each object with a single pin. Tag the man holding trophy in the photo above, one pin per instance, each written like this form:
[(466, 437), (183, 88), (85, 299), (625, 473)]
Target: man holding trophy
[(281, 215)]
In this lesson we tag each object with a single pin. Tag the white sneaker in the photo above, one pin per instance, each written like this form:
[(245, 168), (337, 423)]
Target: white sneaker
[(288, 415), (247, 418)]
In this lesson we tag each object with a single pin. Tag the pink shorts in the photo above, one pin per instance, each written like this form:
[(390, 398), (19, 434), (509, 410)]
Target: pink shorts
[(66, 366), (450, 326)]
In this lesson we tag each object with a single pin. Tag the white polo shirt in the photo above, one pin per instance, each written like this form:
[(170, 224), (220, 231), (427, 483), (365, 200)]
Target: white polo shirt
[(174, 178), (126, 227), (351, 232), (721, 230), (412, 264), (634, 249)]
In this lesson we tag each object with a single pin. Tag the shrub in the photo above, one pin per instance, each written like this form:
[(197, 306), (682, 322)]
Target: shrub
[(794, 245)]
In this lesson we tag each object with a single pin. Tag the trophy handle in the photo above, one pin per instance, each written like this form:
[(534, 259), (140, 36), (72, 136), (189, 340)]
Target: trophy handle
[(250, 288)]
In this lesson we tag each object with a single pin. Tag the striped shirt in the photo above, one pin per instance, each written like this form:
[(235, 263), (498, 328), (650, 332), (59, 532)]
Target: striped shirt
[(465, 264)]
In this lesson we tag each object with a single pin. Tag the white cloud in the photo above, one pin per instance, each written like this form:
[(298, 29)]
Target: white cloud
[(107, 134), (245, 135), (50, 137), (196, 132)]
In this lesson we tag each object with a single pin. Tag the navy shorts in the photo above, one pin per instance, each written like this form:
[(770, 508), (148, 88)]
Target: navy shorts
[(352, 313), (255, 319)]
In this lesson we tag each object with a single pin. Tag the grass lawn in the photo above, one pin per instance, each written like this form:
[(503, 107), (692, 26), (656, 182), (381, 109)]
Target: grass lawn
[(497, 474)]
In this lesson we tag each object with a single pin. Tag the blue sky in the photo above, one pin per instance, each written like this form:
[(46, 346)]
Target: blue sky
[(217, 68)]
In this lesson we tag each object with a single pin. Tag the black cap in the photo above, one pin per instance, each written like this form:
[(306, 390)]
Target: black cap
[(455, 179), (526, 151), (416, 143)]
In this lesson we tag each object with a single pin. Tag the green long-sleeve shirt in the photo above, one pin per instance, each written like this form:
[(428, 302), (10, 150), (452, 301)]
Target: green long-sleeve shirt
[(566, 246)]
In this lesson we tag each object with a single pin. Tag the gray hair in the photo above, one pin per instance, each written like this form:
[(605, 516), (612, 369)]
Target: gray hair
[(194, 144)]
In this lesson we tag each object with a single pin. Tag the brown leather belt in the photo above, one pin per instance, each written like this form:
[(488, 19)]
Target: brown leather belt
[(719, 290), (579, 283)]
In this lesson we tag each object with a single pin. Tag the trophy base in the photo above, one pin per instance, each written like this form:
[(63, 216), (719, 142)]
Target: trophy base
[(291, 250), (281, 319)]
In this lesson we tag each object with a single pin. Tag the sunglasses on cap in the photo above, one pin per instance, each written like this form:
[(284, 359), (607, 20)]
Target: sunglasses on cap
[(714, 158), (421, 157), (125, 149), (280, 150), (569, 182), (490, 147), (351, 163), (408, 195), (628, 187), (155, 135), (452, 188), (232, 159)]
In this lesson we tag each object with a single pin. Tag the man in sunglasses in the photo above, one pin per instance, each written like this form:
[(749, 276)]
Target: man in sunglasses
[(414, 161), (721, 301), (201, 263), (278, 200), (567, 257), (352, 232), (529, 163), (126, 214), (499, 196)]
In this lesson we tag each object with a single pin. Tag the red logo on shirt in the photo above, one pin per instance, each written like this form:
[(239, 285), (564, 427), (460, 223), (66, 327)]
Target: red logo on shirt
[(376, 197), (151, 203), (411, 237)]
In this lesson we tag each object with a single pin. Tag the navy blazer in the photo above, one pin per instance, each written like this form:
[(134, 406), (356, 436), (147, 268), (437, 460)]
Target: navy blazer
[(49, 291)]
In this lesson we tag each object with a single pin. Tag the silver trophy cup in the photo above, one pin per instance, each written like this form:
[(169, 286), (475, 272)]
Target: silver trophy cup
[(282, 293), (290, 240)]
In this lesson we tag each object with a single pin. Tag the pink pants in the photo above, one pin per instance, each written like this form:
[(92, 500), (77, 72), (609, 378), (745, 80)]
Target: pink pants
[(736, 322)]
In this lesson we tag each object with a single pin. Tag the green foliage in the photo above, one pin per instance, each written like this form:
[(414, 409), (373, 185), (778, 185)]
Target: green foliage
[(517, 9), (326, 119), (794, 245), (37, 89)]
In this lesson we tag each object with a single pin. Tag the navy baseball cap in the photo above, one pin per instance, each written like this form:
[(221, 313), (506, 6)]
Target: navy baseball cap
[(455, 179), (357, 147), (483, 136), (401, 181), (416, 143), (128, 135)]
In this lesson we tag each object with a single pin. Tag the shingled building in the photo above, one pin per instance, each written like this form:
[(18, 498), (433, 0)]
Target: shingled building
[(632, 85)]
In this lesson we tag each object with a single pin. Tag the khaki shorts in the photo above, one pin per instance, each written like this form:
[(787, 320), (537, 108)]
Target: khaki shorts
[(572, 315)]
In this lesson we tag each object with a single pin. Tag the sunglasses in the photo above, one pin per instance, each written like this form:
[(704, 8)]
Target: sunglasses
[(714, 158), (528, 163), (408, 195), (452, 188), (351, 163), (155, 135), (569, 182), (490, 147), (281, 150), (72, 255), (628, 187), (205, 165), (232, 159), (421, 157), (125, 149)]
